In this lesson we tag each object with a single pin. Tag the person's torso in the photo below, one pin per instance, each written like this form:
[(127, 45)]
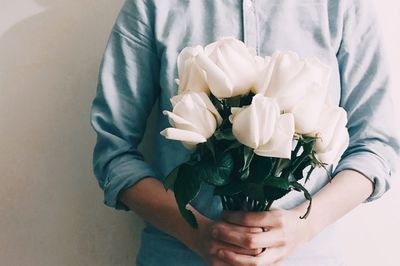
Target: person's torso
[(308, 27)]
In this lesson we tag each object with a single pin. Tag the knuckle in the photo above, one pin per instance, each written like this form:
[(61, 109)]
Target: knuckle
[(249, 241), (280, 220), (216, 226), (228, 235), (217, 230), (256, 251), (211, 247)]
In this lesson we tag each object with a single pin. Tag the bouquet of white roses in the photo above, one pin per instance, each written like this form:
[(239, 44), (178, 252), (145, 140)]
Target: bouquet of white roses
[(256, 125)]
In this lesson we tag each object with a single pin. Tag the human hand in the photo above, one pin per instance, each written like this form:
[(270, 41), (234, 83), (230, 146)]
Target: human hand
[(207, 245), (283, 232)]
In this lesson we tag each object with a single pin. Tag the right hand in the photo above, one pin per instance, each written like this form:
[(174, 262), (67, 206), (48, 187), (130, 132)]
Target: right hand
[(207, 245)]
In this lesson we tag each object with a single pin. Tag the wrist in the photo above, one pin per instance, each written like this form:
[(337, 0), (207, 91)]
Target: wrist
[(193, 239), (306, 224)]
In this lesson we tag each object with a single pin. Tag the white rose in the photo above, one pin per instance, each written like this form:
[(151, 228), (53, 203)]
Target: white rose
[(261, 127), (194, 119), (308, 110), (299, 85), (191, 76), (230, 67), (333, 134)]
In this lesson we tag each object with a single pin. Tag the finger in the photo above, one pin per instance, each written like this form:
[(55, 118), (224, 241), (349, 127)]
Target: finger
[(246, 240), (215, 261), (222, 225), (268, 257), (270, 218), (243, 251), (238, 260), (217, 245)]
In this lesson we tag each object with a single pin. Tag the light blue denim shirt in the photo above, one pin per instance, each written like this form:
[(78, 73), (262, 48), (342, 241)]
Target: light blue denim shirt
[(139, 68)]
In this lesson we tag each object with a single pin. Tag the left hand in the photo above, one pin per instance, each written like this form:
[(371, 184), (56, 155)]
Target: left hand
[(284, 232)]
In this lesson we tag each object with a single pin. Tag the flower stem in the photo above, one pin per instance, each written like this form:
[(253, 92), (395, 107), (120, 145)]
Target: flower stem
[(240, 202)]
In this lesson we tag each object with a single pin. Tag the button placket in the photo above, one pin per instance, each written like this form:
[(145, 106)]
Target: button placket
[(250, 27)]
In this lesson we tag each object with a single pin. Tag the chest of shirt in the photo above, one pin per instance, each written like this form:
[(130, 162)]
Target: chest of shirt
[(308, 27)]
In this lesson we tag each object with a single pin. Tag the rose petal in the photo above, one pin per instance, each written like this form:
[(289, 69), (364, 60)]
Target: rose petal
[(179, 122), (193, 109), (332, 118), (335, 149), (280, 144), (183, 135), (254, 125), (308, 110), (218, 82)]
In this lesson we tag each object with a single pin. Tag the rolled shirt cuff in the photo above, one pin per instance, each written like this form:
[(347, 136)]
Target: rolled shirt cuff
[(125, 175), (372, 167)]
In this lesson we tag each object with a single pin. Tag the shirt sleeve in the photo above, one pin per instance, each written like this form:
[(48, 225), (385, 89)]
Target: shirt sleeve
[(128, 86), (365, 95)]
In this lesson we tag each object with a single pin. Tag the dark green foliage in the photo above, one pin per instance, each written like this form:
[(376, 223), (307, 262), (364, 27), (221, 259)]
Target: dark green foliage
[(243, 179), (169, 181), (186, 187), (215, 173), (248, 155), (298, 187)]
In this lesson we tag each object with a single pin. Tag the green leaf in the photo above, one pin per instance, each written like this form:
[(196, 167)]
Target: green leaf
[(247, 157), (260, 168), (210, 146), (298, 187), (308, 139), (247, 99), (308, 145), (224, 134), (255, 191), (186, 188), (230, 189), (278, 182), (234, 101), (309, 173), (276, 187), (233, 145), (216, 102), (299, 167), (196, 155), (216, 173), (274, 193), (169, 181), (282, 165)]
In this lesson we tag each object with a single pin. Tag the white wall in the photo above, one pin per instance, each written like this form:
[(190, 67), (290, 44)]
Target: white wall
[(51, 210)]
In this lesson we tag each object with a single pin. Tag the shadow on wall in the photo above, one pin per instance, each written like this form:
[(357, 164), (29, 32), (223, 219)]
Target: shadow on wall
[(51, 204)]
